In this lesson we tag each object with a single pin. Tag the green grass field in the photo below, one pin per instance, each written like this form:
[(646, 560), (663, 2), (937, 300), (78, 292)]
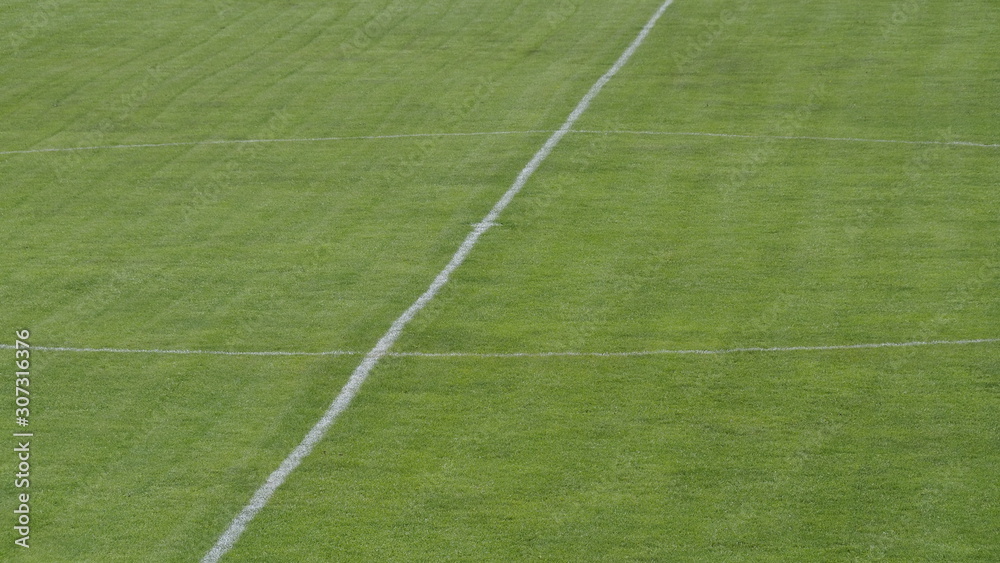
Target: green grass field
[(732, 187)]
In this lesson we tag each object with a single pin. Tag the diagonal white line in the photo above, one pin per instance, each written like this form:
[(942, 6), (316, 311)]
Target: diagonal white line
[(264, 493)]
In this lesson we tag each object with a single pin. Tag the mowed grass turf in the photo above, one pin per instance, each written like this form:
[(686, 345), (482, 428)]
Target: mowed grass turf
[(809, 456), (642, 242), (621, 242), (134, 457), (292, 246)]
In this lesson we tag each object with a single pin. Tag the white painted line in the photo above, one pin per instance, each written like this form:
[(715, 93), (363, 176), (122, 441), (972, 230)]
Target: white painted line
[(252, 141), (264, 493), (696, 352), (791, 138), (526, 132), (185, 352), (532, 354)]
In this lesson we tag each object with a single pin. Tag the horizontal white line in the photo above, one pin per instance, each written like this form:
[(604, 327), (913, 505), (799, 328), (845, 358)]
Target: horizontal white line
[(250, 141), (526, 132), (531, 354), (792, 138), (157, 351), (694, 352)]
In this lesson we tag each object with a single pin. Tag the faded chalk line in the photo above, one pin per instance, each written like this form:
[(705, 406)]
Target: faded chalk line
[(703, 351), (184, 352), (791, 138), (371, 359), (525, 132), (253, 141)]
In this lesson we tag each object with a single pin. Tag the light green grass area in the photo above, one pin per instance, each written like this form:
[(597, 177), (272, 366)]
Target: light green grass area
[(620, 242), (628, 243), (856, 455), (135, 458)]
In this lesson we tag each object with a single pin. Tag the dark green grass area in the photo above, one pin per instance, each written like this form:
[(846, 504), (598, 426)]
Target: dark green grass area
[(94, 73), (293, 246), (139, 458), (879, 70), (857, 455)]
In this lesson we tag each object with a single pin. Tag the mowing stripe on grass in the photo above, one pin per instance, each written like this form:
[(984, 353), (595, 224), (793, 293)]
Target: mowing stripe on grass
[(526, 132), (264, 493), (531, 354)]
